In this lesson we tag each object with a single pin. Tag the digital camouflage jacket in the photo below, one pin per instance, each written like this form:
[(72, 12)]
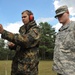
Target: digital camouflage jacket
[(64, 51)]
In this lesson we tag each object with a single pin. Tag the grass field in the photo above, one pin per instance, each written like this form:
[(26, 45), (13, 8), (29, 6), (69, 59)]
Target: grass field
[(45, 68)]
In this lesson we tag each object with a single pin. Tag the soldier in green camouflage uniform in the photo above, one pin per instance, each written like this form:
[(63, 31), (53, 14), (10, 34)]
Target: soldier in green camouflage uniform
[(26, 45), (64, 51)]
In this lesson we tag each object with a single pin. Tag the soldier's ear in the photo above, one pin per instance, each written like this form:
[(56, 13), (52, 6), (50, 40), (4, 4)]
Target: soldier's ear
[(67, 12)]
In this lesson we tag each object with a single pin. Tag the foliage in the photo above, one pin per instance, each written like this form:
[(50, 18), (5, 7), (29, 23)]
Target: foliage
[(47, 40), (5, 53)]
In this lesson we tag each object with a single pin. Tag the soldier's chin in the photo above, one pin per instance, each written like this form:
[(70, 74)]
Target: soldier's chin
[(24, 22), (61, 22)]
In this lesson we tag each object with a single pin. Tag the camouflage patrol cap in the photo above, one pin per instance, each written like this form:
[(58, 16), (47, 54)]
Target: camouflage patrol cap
[(61, 10)]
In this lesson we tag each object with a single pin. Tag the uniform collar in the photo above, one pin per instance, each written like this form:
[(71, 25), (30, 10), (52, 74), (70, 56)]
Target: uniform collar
[(30, 24), (64, 27)]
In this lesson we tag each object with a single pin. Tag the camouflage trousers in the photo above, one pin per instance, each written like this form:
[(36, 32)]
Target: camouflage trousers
[(24, 69), (59, 74), (24, 73), (34, 72)]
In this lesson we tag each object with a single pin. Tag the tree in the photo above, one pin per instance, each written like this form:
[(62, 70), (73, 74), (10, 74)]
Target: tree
[(2, 53), (5, 53), (47, 40)]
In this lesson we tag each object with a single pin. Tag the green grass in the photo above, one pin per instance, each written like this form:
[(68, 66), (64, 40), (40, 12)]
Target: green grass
[(45, 68)]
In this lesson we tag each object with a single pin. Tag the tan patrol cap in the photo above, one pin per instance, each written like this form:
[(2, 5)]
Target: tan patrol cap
[(61, 10)]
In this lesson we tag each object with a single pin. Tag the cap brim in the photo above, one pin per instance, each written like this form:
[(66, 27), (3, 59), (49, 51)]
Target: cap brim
[(59, 14)]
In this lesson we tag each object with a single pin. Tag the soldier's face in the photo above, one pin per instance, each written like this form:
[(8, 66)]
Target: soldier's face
[(25, 18), (63, 18)]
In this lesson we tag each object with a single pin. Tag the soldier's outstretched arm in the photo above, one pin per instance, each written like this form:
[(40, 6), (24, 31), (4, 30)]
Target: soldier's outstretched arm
[(24, 40)]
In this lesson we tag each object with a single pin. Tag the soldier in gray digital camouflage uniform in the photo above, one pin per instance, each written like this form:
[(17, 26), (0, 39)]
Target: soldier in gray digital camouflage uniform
[(64, 51), (26, 45)]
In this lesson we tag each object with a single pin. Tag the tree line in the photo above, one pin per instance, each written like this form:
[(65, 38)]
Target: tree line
[(46, 47)]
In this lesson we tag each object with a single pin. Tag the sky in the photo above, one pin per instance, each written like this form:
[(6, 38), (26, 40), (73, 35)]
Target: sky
[(43, 10)]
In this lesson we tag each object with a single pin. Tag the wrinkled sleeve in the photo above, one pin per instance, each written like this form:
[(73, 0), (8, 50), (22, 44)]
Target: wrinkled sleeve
[(30, 39)]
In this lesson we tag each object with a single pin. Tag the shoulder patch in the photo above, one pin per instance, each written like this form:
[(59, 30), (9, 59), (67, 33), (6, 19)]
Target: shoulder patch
[(35, 31)]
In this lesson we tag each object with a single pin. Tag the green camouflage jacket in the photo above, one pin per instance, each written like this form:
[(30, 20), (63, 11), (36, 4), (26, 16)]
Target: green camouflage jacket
[(27, 47)]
